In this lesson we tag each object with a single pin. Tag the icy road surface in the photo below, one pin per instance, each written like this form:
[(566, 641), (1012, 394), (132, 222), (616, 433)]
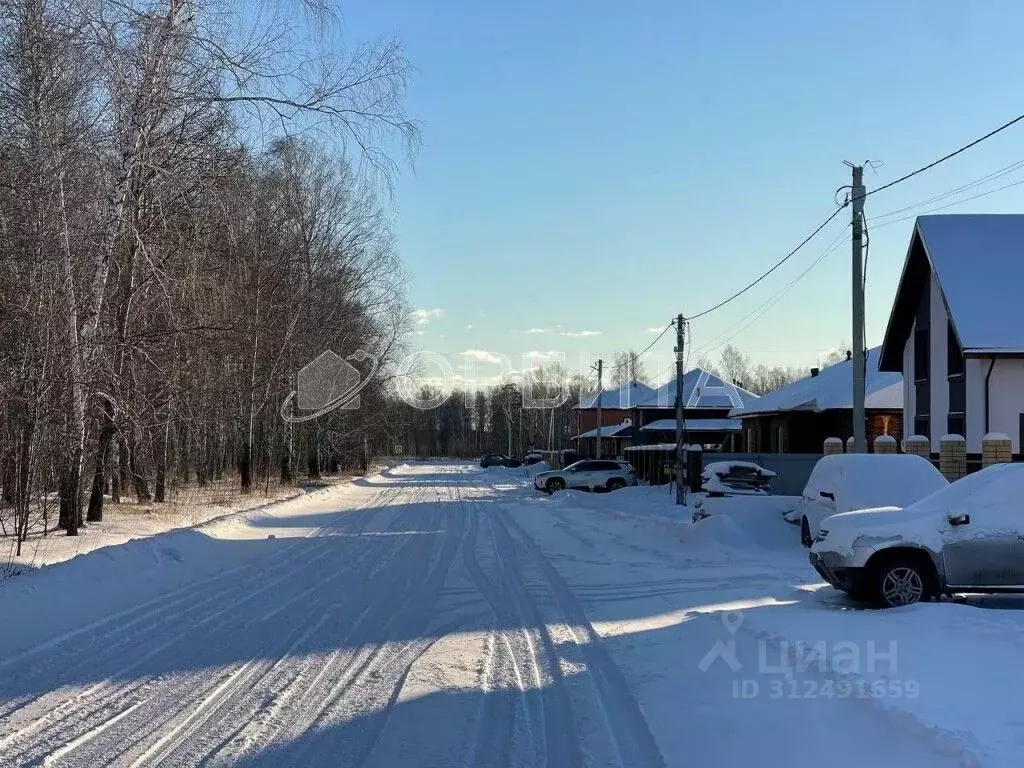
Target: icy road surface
[(444, 616)]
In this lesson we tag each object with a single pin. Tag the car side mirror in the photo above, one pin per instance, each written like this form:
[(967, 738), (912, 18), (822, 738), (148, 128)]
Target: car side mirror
[(827, 495), (959, 519)]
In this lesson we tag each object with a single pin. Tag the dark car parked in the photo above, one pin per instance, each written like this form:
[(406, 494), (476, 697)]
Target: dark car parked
[(499, 460)]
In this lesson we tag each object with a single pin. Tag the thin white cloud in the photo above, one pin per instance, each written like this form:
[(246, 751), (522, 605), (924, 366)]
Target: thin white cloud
[(539, 355), (482, 355), (581, 334), (424, 316), (538, 330)]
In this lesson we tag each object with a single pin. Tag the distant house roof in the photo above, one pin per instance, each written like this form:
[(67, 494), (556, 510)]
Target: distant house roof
[(626, 396), (701, 389), (978, 262), (694, 425), (615, 430), (832, 388)]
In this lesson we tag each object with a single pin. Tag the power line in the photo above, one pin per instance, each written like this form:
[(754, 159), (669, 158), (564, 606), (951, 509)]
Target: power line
[(777, 264), (644, 351), (761, 310), (944, 158), (962, 188), (953, 204)]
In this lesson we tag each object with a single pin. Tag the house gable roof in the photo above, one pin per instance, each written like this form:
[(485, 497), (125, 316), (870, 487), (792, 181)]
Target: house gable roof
[(832, 389), (978, 262), (701, 389), (627, 396)]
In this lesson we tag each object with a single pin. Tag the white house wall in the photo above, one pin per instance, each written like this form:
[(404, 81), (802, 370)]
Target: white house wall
[(975, 371), (937, 364), (1006, 398)]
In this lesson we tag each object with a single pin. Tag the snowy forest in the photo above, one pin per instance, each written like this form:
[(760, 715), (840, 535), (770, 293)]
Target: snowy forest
[(190, 211)]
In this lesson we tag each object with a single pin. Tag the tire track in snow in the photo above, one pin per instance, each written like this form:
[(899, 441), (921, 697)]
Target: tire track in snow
[(269, 659), (74, 707), (498, 709), (130, 617), (404, 611), (627, 725), (125, 634)]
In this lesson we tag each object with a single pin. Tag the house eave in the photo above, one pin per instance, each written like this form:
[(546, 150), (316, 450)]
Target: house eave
[(980, 353)]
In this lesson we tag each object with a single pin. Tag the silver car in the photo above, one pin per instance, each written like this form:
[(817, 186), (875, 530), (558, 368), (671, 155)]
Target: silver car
[(966, 537), (589, 474)]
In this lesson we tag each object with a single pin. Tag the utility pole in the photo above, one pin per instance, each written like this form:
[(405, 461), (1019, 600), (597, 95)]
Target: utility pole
[(680, 451), (600, 392), (859, 365)]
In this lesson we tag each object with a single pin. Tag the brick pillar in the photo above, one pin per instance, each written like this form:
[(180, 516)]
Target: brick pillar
[(885, 444), (953, 457), (849, 445), (918, 445), (996, 448), (833, 445)]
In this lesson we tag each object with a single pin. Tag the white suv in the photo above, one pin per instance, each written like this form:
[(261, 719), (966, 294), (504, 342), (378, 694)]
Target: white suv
[(589, 474)]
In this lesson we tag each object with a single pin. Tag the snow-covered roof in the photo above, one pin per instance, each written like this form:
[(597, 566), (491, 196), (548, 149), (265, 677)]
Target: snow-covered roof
[(627, 396), (832, 388), (694, 425), (614, 430), (701, 389), (978, 262)]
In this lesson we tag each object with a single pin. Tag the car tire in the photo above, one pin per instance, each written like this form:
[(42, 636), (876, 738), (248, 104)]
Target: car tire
[(805, 533), (616, 483), (554, 484), (903, 581)]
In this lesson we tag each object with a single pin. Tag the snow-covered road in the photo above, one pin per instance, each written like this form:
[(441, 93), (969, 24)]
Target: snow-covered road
[(432, 615)]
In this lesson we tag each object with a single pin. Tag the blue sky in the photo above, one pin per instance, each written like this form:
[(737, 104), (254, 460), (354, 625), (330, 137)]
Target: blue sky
[(598, 166)]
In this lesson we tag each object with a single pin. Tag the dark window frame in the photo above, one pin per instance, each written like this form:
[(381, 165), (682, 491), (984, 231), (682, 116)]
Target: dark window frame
[(927, 425), (922, 354), (952, 428), (955, 364)]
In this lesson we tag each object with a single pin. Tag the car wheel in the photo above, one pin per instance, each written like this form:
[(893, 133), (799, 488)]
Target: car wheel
[(902, 581), (616, 483), (555, 484), (805, 533)]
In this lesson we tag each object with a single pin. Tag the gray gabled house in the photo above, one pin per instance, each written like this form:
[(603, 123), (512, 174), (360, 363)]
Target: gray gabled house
[(956, 329)]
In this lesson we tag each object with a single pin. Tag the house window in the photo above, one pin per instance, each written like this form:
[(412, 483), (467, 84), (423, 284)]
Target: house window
[(956, 425), (921, 357), (921, 426), (954, 355), (958, 394)]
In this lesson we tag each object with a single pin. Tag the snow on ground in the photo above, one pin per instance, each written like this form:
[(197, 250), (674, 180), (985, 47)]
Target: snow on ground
[(443, 615), (126, 521)]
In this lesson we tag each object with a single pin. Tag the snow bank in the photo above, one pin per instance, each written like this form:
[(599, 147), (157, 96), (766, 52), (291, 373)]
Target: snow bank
[(101, 584), (734, 523), (939, 669)]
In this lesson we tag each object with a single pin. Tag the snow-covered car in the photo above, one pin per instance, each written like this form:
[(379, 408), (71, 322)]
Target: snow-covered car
[(589, 474), (852, 481), (728, 478), (966, 537)]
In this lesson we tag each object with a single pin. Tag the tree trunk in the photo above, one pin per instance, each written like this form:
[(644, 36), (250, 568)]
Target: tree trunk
[(245, 466), (139, 481), (116, 472), (95, 513)]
